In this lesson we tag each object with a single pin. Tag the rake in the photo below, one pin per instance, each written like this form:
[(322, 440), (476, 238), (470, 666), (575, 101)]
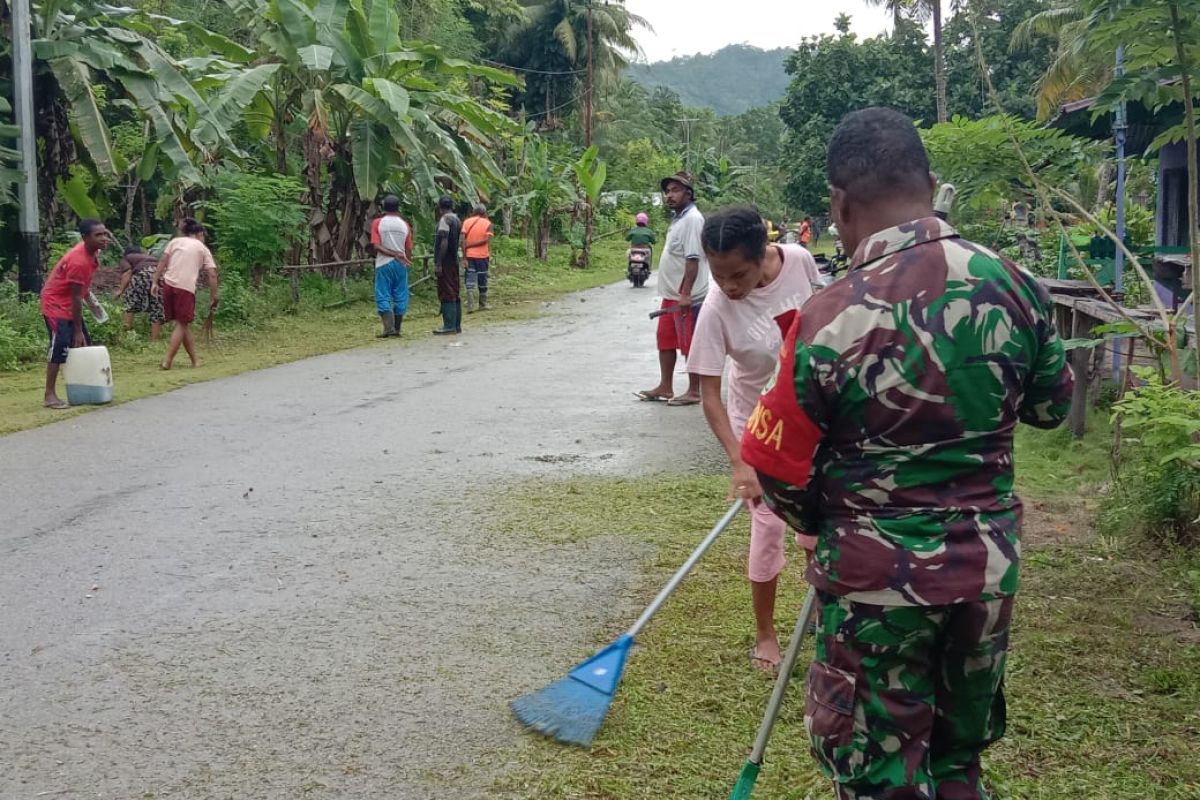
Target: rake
[(749, 774), (572, 709)]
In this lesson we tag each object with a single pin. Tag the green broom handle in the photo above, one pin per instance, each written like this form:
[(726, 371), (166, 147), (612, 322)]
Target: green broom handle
[(678, 577), (785, 674)]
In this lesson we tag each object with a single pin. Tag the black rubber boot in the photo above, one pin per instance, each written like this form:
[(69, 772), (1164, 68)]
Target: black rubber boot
[(447, 321), (389, 325), (458, 316), (483, 306), (399, 323)]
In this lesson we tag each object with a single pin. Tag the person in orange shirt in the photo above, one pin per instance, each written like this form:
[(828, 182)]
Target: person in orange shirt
[(806, 231), (476, 234)]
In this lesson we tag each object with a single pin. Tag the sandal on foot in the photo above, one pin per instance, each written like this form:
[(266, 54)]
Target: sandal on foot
[(681, 400), (57, 405), (755, 659), (650, 397)]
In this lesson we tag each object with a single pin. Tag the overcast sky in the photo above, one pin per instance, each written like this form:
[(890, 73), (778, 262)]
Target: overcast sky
[(686, 27)]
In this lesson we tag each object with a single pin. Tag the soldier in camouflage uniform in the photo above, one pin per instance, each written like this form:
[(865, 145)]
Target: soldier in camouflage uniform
[(888, 430)]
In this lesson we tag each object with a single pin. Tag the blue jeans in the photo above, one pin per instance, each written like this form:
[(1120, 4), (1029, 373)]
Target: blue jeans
[(391, 287)]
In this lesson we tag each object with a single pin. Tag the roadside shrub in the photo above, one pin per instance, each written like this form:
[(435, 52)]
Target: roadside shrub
[(256, 219), (1157, 491)]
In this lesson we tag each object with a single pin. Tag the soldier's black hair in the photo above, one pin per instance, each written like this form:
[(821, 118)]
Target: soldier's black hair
[(130, 249), (391, 203), (191, 227), (735, 227), (88, 224), (445, 203), (876, 152)]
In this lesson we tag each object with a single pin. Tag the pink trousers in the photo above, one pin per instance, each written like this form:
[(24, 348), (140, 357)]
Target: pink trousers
[(767, 536)]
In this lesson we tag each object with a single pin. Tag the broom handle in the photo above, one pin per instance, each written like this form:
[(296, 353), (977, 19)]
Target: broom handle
[(785, 674), (678, 577)]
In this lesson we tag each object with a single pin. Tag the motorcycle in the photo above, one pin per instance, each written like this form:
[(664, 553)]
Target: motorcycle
[(638, 271)]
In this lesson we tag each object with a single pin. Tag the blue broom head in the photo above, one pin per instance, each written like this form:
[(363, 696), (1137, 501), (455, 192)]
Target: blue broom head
[(572, 709)]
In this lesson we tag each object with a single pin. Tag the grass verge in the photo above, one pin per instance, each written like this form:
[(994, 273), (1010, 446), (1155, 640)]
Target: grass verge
[(1103, 684), (520, 284)]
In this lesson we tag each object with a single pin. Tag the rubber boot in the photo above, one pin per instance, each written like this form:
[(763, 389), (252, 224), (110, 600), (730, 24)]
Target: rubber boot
[(447, 321), (399, 323), (472, 299), (483, 306), (458, 316), (389, 325)]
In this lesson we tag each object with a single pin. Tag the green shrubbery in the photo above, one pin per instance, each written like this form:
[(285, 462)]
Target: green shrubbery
[(1157, 486)]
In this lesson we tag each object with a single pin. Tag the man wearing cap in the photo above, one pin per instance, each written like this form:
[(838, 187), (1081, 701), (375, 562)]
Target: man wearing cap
[(682, 283), (391, 237), (888, 431)]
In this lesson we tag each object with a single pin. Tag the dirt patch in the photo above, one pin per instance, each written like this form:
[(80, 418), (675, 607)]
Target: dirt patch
[(1184, 628), (1056, 523)]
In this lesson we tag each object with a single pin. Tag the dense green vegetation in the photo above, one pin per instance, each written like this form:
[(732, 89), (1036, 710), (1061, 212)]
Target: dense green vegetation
[(731, 80)]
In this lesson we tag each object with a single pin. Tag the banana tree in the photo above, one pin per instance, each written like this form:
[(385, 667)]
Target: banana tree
[(590, 172), (91, 59), (10, 159), (375, 112)]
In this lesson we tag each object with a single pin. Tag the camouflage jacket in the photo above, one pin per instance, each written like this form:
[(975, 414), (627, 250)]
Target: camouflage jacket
[(888, 428)]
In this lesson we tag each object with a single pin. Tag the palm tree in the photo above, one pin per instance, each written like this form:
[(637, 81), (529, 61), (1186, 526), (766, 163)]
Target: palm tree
[(922, 10), (550, 44), (1078, 70)]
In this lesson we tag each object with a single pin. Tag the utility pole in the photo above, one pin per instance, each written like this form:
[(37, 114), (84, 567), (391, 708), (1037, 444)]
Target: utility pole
[(1120, 130), (29, 276), (687, 140), (587, 120)]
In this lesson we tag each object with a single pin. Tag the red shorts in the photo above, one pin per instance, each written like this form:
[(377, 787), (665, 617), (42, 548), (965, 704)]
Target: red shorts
[(179, 305), (675, 330)]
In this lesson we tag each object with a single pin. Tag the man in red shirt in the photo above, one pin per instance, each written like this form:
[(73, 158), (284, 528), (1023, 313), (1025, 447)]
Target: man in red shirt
[(62, 300)]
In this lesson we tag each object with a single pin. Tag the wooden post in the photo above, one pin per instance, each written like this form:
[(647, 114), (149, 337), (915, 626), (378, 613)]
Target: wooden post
[(295, 275), (1077, 419), (1096, 381)]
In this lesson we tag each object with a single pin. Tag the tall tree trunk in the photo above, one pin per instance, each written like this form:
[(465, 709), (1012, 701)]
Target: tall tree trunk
[(1189, 117), (131, 194), (321, 245), (585, 255), (1103, 177), (939, 61)]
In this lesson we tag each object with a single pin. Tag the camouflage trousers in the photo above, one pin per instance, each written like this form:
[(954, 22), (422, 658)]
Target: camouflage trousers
[(901, 700)]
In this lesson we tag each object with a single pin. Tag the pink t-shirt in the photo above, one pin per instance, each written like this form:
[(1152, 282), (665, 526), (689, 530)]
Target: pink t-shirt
[(188, 256), (746, 331)]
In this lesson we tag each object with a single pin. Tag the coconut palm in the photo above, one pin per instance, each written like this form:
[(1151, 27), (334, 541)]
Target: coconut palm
[(922, 10), (1078, 70), (550, 43)]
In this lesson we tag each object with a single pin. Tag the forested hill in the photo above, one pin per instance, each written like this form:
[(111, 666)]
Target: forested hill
[(729, 81)]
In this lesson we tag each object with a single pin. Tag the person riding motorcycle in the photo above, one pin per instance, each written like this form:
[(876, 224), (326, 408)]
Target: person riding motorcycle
[(640, 238)]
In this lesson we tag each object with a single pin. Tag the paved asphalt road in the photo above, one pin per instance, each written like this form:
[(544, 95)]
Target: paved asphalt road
[(280, 585)]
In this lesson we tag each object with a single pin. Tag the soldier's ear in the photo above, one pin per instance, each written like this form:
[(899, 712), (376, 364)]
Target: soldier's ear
[(837, 206)]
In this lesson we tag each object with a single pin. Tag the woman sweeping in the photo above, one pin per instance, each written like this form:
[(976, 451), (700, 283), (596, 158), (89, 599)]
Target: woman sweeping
[(759, 290)]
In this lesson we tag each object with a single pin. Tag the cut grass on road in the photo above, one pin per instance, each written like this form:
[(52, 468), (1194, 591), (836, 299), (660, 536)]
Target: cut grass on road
[(520, 286), (1103, 681)]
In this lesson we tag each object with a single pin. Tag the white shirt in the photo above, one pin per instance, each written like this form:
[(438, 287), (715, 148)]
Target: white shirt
[(683, 243), (393, 232), (747, 331)]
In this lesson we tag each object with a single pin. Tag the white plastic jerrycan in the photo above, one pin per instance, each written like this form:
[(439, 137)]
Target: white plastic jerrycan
[(88, 374)]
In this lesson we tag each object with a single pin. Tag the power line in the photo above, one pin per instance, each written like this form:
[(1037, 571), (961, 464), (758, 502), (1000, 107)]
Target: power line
[(548, 111), (534, 71)]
